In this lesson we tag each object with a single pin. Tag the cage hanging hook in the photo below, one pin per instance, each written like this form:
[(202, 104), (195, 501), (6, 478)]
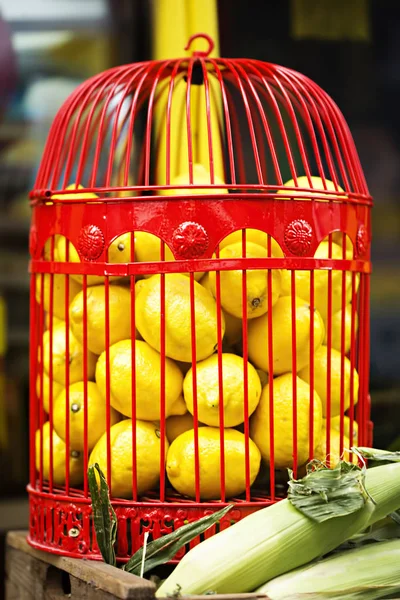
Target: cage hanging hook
[(206, 37)]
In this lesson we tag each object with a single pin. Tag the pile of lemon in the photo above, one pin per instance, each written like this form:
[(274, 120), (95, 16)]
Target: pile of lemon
[(138, 385)]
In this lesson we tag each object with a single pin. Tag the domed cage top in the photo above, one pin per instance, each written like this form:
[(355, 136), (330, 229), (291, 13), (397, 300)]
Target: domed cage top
[(242, 176)]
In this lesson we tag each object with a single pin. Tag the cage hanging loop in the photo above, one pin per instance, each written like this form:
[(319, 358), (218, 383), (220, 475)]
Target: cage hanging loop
[(206, 37)]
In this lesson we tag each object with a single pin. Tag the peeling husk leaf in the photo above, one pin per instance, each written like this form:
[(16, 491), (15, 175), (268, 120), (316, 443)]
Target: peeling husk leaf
[(324, 493), (104, 517), (379, 455), (165, 548)]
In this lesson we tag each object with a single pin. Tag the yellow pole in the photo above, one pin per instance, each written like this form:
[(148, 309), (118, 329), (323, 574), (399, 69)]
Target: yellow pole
[(174, 22)]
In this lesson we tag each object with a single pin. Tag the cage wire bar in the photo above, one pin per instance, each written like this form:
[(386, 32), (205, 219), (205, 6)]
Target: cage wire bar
[(290, 173)]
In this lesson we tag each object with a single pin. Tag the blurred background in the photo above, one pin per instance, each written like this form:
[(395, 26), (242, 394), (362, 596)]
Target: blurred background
[(47, 47)]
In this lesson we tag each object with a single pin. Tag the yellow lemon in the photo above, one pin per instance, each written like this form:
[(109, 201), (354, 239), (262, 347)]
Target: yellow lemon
[(282, 336), (178, 424), (181, 463), (59, 458), (146, 467), (75, 195), (201, 176), (43, 288), (253, 235), (260, 424), (65, 248), (96, 415), (147, 381), (57, 389), (233, 329), (119, 305), (320, 379), (148, 249), (208, 390), (233, 325), (338, 238), (321, 452), (139, 286), (302, 282), (50, 248), (178, 322), (318, 189), (205, 282), (231, 283), (56, 321), (118, 252), (335, 424), (60, 360), (337, 329)]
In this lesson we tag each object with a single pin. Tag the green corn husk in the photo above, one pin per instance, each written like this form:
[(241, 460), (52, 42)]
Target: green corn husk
[(366, 573), (383, 483), (276, 540)]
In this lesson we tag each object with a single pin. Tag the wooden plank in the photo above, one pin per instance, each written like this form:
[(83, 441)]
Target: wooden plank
[(98, 575), (35, 575)]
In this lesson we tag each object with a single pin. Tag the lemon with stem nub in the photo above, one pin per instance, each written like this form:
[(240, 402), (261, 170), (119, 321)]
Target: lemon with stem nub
[(96, 414), (256, 283)]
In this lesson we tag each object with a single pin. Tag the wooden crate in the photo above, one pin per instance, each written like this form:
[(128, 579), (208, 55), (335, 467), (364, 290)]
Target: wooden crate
[(35, 575)]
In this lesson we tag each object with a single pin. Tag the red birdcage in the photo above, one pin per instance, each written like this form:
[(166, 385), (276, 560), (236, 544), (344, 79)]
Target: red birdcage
[(147, 170)]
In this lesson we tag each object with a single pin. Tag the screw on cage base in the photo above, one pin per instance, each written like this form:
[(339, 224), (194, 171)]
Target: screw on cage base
[(75, 407), (75, 454), (73, 532)]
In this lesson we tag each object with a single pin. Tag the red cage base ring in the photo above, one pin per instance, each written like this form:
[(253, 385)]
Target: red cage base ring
[(64, 526)]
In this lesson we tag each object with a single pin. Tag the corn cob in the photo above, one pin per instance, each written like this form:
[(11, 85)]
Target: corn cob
[(276, 540), (369, 572)]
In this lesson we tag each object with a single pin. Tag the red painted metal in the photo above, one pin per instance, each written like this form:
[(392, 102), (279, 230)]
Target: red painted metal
[(273, 125)]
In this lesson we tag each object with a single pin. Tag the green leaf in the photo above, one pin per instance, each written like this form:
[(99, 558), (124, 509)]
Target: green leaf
[(105, 520), (325, 492), (164, 548), (374, 454)]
